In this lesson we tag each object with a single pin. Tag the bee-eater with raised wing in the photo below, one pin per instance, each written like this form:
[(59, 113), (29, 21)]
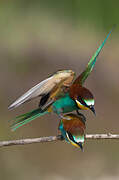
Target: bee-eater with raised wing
[(59, 93)]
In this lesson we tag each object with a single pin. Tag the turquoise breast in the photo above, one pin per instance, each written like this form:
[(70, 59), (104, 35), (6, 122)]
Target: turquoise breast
[(64, 105)]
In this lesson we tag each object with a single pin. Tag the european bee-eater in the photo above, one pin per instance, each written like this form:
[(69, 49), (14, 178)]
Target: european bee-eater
[(73, 130), (59, 93)]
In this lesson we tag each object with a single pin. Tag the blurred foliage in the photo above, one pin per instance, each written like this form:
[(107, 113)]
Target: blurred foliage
[(101, 13)]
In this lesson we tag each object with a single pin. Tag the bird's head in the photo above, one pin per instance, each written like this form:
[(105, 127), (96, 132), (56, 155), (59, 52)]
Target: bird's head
[(85, 100)]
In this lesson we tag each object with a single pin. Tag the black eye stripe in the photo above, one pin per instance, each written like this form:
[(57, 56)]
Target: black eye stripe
[(82, 101), (72, 139), (70, 136)]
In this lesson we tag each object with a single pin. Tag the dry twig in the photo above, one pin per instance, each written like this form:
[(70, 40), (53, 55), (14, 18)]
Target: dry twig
[(55, 138)]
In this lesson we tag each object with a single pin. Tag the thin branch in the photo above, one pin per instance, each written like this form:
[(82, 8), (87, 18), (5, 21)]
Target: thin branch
[(55, 138)]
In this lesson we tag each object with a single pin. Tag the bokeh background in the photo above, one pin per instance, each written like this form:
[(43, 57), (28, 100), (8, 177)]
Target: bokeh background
[(38, 38)]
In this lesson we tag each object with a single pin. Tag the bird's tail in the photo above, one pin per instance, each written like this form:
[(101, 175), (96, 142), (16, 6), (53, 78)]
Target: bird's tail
[(26, 118)]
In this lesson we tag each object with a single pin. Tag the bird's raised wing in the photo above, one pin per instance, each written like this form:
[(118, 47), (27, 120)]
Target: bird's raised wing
[(83, 76), (49, 88)]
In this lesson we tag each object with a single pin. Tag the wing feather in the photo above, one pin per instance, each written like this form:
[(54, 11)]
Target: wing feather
[(51, 85), (30, 94)]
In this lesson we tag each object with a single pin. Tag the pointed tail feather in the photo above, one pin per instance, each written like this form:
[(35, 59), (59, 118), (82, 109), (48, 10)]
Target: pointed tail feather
[(81, 79), (26, 118)]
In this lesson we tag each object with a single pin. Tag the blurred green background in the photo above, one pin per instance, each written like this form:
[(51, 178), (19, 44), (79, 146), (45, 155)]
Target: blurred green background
[(36, 39)]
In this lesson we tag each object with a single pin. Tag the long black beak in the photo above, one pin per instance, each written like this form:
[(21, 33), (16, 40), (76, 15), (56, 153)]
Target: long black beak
[(93, 109), (81, 146)]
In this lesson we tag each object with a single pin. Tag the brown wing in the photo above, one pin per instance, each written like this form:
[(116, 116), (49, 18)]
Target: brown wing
[(76, 125), (59, 90), (52, 86)]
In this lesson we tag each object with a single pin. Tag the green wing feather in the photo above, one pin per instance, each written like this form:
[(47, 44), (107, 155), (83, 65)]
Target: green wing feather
[(26, 118), (81, 79)]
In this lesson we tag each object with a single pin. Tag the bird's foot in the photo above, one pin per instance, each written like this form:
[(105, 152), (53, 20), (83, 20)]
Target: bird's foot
[(63, 117), (81, 115)]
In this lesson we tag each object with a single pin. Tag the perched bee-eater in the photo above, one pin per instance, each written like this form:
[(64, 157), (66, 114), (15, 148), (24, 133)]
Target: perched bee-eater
[(73, 130), (59, 93)]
